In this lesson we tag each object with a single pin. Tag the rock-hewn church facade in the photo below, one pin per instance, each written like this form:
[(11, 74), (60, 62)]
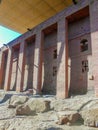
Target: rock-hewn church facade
[(58, 57)]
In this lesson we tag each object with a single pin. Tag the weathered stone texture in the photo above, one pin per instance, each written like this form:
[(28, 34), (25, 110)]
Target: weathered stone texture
[(17, 100), (33, 106)]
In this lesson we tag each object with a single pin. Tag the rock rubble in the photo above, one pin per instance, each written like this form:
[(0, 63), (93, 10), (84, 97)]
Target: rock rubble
[(42, 113)]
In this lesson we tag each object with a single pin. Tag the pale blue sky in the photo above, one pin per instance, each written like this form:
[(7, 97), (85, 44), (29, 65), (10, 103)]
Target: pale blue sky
[(7, 35)]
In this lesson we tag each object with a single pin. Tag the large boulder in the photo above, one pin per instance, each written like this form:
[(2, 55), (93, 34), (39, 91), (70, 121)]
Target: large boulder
[(90, 117), (25, 110), (66, 117), (33, 106), (16, 100)]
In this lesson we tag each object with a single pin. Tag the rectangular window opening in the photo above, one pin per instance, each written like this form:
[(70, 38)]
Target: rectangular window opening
[(55, 54)]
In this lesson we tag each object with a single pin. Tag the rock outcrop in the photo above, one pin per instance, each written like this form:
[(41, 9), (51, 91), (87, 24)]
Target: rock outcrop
[(48, 113), (33, 106), (17, 100), (68, 117), (90, 117)]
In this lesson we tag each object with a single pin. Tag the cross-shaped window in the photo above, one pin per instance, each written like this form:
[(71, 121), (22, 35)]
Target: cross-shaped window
[(85, 66)]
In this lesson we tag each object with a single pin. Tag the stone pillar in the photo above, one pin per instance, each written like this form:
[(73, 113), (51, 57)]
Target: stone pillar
[(21, 64), (37, 75), (8, 70), (1, 61), (62, 60), (94, 40)]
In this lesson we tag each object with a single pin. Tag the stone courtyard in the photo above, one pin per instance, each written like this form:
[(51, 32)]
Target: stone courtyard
[(34, 112)]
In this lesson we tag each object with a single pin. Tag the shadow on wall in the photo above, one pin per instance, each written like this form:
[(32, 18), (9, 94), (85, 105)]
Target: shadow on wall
[(15, 56), (49, 74), (29, 61)]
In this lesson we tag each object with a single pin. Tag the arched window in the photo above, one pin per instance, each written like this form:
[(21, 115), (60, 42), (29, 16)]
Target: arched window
[(84, 45)]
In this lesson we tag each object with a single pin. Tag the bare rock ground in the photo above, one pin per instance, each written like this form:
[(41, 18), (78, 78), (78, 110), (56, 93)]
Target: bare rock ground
[(76, 113)]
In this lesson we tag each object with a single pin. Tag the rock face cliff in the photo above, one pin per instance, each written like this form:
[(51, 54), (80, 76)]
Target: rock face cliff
[(29, 112)]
